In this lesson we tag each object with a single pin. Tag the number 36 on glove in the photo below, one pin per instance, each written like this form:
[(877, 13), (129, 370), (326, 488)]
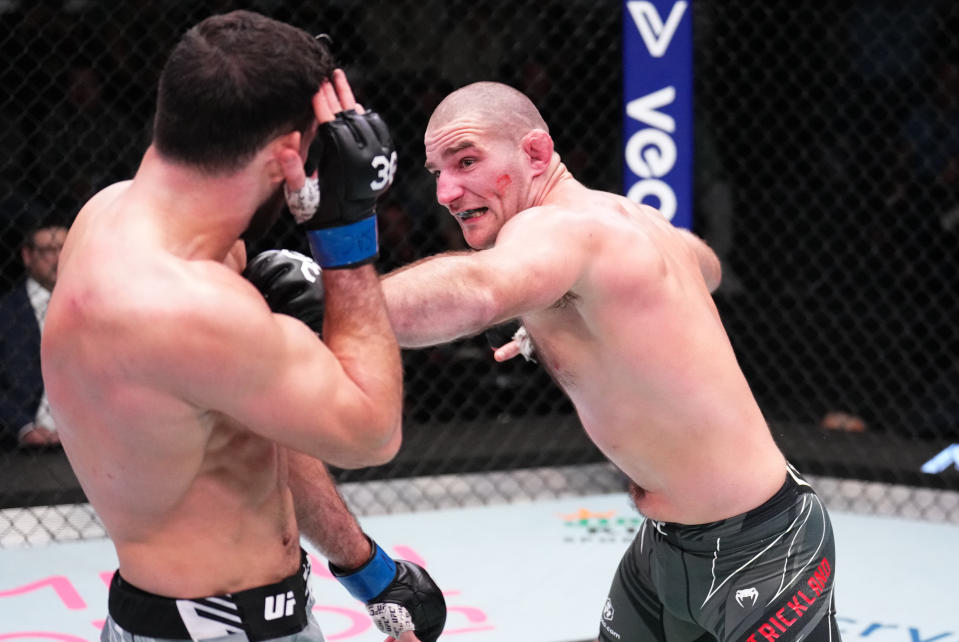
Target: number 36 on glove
[(356, 162)]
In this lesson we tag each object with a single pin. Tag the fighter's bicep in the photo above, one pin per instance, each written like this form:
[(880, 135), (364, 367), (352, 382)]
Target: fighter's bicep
[(537, 262), (268, 372), (307, 401)]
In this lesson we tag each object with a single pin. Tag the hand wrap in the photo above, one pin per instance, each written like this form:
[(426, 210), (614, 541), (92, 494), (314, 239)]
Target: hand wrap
[(356, 162), (500, 335), (399, 595), (304, 201), (521, 337)]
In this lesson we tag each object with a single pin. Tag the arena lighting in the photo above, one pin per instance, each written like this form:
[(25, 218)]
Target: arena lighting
[(942, 461)]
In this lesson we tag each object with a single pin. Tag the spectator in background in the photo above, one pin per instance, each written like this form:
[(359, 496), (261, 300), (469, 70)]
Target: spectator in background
[(931, 137), (84, 143), (19, 209), (24, 410)]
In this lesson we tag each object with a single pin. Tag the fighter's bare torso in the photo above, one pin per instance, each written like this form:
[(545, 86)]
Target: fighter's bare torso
[(639, 348), (181, 478)]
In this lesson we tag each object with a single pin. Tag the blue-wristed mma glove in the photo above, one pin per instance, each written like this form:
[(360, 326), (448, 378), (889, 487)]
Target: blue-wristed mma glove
[(399, 595), (356, 163)]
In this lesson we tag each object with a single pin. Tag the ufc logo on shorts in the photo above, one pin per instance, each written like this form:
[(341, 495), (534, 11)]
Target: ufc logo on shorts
[(277, 606), (385, 171)]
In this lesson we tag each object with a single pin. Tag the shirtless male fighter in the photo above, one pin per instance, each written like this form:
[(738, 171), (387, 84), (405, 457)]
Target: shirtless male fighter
[(178, 392), (617, 303)]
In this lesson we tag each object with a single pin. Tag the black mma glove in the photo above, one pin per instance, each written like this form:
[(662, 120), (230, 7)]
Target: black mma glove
[(290, 283), (356, 162), (399, 595)]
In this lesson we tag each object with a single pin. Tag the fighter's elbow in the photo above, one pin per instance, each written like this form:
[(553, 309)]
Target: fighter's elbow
[(706, 258), (490, 308), (384, 455), (385, 444), (712, 272), (374, 443)]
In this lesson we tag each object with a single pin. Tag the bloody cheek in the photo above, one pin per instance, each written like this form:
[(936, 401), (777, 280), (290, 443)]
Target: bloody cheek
[(503, 182)]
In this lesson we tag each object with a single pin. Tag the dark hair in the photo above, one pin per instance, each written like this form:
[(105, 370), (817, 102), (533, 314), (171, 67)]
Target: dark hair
[(232, 83), (46, 223)]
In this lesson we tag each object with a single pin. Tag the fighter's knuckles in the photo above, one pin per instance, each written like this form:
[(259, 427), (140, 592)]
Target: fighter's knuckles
[(412, 602)]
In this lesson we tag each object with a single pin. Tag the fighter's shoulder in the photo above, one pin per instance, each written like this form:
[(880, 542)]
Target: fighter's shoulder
[(598, 215), (543, 218), (195, 304), (188, 329), (213, 292), (588, 207), (104, 197)]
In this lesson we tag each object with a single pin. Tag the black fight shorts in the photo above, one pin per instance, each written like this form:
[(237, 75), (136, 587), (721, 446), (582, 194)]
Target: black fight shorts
[(763, 576), (277, 611)]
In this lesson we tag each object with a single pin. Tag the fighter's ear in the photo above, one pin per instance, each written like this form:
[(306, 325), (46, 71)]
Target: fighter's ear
[(284, 150), (538, 146), (290, 140)]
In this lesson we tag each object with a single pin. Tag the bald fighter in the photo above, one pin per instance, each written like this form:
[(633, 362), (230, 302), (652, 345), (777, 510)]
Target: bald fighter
[(178, 393), (617, 305)]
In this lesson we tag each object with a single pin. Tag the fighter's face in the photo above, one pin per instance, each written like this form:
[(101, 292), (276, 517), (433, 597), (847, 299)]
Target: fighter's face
[(480, 178)]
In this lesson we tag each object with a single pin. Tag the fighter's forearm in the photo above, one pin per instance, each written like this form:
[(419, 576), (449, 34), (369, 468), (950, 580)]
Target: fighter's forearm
[(357, 330), (437, 300), (323, 517)]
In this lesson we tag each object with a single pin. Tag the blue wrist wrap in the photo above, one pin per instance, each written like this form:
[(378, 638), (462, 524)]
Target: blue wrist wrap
[(346, 245), (372, 578)]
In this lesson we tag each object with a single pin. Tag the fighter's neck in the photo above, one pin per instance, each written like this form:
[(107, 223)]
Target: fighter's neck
[(550, 182), (194, 208)]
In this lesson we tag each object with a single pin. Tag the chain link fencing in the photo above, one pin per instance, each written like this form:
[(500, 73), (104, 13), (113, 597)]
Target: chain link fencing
[(827, 172)]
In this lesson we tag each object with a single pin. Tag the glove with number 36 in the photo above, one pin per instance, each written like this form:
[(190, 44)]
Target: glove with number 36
[(356, 163)]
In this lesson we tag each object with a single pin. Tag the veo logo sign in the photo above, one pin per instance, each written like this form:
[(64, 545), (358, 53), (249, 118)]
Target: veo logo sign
[(655, 34), (651, 152), (658, 84)]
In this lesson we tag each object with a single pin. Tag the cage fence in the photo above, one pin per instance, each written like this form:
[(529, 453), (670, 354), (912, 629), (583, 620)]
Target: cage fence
[(827, 179)]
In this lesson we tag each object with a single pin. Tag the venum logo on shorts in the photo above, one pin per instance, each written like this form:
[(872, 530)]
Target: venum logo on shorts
[(277, 606), (796, 606), (750, 595)]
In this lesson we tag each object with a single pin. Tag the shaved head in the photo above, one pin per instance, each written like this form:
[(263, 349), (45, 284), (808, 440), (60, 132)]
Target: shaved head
[(492, 105)]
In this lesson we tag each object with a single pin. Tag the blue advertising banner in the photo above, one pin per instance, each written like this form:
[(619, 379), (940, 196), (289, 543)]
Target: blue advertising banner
[(658, 106)]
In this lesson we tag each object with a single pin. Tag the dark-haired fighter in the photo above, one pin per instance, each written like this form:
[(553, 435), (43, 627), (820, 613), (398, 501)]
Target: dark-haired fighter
[(177, 392)]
